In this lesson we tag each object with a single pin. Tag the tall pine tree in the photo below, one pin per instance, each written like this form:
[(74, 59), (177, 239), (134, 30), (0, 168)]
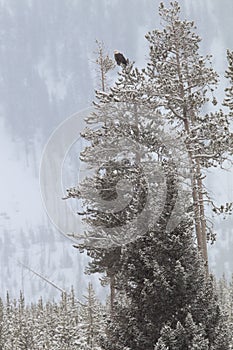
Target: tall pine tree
[(165, 300), (181, 82), (160, 277)]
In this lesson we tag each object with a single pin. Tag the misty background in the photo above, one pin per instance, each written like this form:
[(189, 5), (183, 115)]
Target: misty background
[(47, 73)]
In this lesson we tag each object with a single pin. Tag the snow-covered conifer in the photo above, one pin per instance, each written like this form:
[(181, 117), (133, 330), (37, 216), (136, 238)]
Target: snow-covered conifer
[(159, 275), (162, 280), (181, 82), (104, 64), (92, 325), (187, 336)]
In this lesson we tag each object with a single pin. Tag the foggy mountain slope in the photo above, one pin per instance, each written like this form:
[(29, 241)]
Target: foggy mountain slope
[(46, 74)]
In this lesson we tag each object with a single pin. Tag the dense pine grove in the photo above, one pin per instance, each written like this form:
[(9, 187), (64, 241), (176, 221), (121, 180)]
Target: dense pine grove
[(67, 325)]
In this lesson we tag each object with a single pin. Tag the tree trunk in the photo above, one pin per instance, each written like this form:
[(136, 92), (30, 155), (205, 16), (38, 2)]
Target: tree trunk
[(199, 211), (202, 215), (112, 293)]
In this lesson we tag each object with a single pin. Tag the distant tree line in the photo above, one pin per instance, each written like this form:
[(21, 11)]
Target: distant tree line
[(65, 324)]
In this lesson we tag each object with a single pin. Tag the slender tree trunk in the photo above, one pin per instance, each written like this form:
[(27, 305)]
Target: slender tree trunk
[(112, 293), (195, 196), (199, 210), (112, 276), (202, 214), (102, 72), (196, 183)]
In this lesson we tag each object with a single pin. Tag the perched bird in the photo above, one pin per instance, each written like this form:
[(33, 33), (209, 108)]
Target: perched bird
[(120, 59)]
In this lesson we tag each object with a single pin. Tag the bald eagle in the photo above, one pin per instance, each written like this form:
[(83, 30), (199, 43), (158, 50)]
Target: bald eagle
[(120, 59)]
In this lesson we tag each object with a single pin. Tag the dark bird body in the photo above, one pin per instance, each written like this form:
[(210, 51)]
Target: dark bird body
[(120, 59)]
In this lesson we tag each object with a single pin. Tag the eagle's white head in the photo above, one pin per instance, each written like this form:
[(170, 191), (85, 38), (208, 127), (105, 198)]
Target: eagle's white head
[(116, 52)]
